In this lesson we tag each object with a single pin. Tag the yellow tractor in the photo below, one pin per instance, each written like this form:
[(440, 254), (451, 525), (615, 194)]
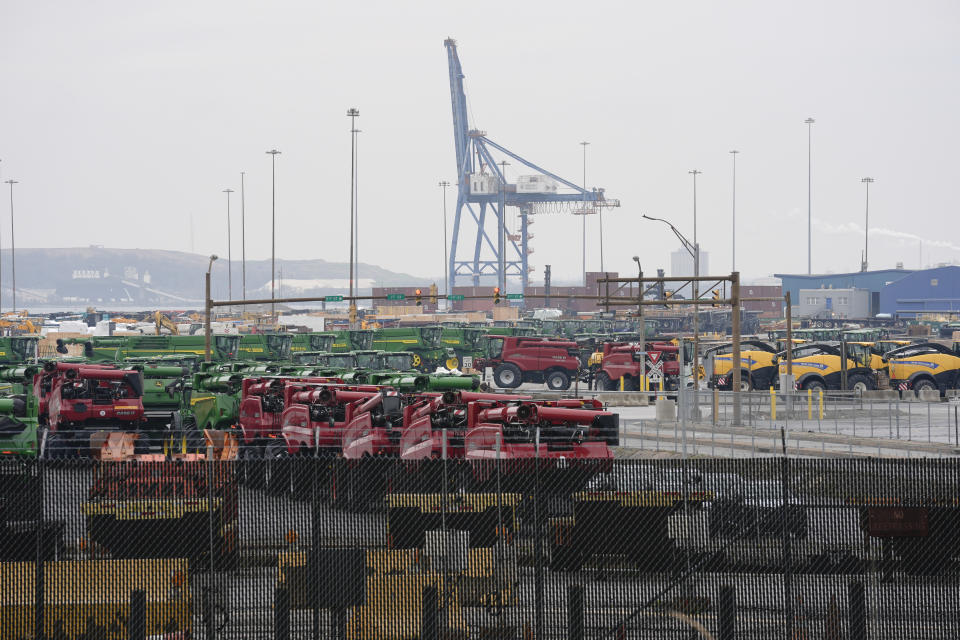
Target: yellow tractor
[(817, 365), (758, 365), (925, 366)]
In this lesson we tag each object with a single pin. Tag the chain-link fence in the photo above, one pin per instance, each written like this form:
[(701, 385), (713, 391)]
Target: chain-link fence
[(319, 547)]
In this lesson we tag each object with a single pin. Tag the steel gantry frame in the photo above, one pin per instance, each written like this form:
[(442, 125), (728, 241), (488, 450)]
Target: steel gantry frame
[(501, 256)]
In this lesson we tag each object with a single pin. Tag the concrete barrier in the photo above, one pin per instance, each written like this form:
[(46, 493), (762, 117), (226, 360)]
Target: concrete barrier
[(666, 410), (881, 394)]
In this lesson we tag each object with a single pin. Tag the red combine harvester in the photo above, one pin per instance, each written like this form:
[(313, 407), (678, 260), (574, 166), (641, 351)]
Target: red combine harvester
[(79, 401), (516, 360), (627, 361)]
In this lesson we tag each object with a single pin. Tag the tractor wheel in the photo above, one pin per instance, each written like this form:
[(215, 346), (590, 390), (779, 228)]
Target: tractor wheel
[(507, 376), (860, 383), (453, 362), (558, 381), (923, 385), (815, 385), (602, 382), (746, 383)]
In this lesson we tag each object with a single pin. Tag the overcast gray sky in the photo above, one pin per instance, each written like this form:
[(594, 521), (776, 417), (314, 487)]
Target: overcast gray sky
[(122, 119)]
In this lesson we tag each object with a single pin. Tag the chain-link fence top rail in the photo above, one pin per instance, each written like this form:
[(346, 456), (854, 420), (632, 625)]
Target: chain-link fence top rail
[(379, 548)]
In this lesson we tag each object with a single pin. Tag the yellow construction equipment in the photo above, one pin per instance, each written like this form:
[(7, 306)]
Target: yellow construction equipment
[(91, 598), (163, 322)]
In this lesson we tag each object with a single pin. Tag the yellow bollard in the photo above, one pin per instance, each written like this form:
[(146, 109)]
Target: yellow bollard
[(621, 383), (809, 404), (821, 404), (773, 404)]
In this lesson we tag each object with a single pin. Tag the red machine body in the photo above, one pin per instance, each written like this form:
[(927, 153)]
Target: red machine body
[(85, 397), (627, 361), (519, 359)]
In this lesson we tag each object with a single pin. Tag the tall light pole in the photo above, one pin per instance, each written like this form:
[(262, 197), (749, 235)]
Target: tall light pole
[(273, 229), (356, 208), (243, 236), (443, 184), (809, 122), (229, 249), (696, 295), (866, 229), (733, 252), (352, 113), (13, 249), (209, 310), (584, 145), (502, 231)]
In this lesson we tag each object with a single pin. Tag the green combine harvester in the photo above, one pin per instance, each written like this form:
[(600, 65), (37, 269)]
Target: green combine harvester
[(352, 340), (19, 426), (425, 343), (314, 341), (120, 348), (265, 347)]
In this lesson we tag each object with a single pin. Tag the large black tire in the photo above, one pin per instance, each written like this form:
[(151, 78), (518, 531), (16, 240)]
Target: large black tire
[(508, 376), (814, 385), (746, 382), (860, 382), (558, 381), (924, 385), (602, 382)]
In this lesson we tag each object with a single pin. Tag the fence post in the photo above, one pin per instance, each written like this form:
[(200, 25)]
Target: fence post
[(857, 611), (428, 615), (575, 612), (38, 595), (727, 629), (137, 624), (281, 613), (773, 406)]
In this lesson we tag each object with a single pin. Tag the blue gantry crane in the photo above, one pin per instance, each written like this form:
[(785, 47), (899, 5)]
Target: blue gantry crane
[(483, 194)]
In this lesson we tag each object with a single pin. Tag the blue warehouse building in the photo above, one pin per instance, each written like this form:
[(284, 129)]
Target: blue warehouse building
[(898, 292), (935, 291), (872, 281)]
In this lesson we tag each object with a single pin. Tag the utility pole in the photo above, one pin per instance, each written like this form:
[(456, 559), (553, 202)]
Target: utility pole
[(584, 212), (866, 228), (229, 248), (502, 232), (696, 296), (243, 236), (640, 322), (273, 233), (352, 113), (13, 249), (809, 122), (733, 252), (443, 184), (208, 304)]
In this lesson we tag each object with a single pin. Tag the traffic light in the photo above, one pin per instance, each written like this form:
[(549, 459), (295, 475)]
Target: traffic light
[(433, 294), (716, 298), (419, 297), (496, 295)]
